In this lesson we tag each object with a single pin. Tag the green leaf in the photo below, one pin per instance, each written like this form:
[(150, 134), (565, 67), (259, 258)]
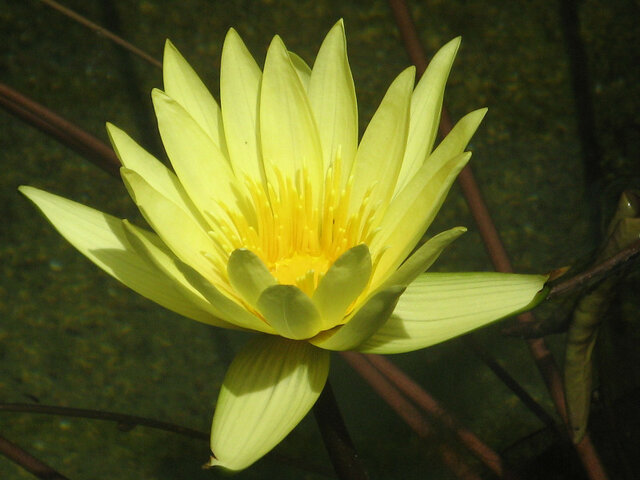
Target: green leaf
[(271, 385)]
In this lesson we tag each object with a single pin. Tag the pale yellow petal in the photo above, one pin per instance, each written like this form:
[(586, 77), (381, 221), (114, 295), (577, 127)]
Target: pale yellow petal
[(440, 306), (240, 78), (179, 231), (149, 246), (364, 322), (201, 167), (379, 157), (423, 257), (289, 311), (271, 385), (288, 133), (426, 106), (302, 69), (332, 96), (182, 84), (102, 239), (229, 309), (159, 177), (401, 229), (341, 285)]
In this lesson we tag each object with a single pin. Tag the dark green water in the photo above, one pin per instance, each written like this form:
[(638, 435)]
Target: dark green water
[(71, 336)]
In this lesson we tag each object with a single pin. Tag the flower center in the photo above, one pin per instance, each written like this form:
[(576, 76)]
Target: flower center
[(302, 269), (297, 236)]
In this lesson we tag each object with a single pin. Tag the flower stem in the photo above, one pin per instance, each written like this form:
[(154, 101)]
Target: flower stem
[(344, 456)]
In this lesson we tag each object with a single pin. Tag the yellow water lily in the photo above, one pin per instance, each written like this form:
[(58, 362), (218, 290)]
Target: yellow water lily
[(276, 219)]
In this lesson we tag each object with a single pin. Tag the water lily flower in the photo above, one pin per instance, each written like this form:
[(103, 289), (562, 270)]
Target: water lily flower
[(276, 219)]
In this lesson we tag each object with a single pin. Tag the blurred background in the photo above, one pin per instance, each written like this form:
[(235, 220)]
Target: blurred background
[(560, 142)]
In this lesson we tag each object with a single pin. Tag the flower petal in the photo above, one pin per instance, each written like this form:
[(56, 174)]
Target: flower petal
[(426, 106), (149, 246), (332, 96), (400, 230), (240, 78), (200, 165), (230, 310), (289, 311), (159, 177), (179, 231), (271, 385), (424, 257), (302, 69), (248, 275), (365, 322), (341, 285), (182, 84), (102, 239), (381, 149), (289, 138), (440, 306)]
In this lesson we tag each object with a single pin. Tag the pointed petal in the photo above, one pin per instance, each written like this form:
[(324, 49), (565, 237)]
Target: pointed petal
[(182, 84), (440, 306), (179, 231), (380, 153), (332, 96), (159, 177), (248, 275), (302, 69), (289, 311), (203, 170), (365, 322), (424, 257), (240, 78), (229, 310), (456, 140), (426, 106), (149, 246), (341, 285), (271, 385), (400, 229), (102, 239), (288, 133)]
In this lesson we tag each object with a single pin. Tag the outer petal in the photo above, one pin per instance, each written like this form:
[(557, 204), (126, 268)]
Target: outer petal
[(380, 153), (440, 306), (102, 239), (182, 84), (341, 285), (289, 311), (426, 106), (363, 323), (424, 257), (159, 177), (288, 133), (240, 79), (333, 100), (270, 386), (248, 275), (400, 230), (179, 231), (202, 168), (302, 69)]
